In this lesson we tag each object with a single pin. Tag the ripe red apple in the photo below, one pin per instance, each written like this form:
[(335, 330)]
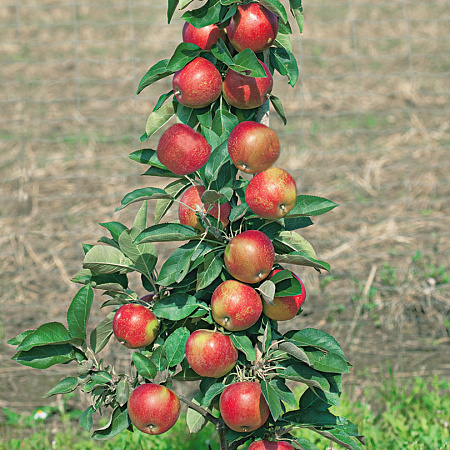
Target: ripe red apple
[(271, 194), (153, 409), (182, 150), (197, 84), (204, 37), (253, 27), (210, 353), (253, 147), (270, 445), (249, 256), (285, 308), (135, 326), (243, 406), (190, 199), (236, 306), (245, 92)]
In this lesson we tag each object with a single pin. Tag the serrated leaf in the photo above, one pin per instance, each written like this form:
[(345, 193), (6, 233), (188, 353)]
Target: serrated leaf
[(155, 73), (267, 291), (296, 242), (175, 307), (210, 196), (78, 312), (143, 256), (212, 392), (147, 156), (144, 366), (106, 260), (140, 221), (283, 41), (122, 392), (159, 118), (63, 387), (194, 420), (85, 419), (304, 374), (167, 232), (45, 356), (101, 334), (276, 7), (311, 417), (247, 63), (302, 259), (310, 399), (243, 343), (17, 340), (276, 103), (311, 205), (48, 333), (294, 351), (115, 228), (171, 7), (141, 194), (237, 212), (174, 346), (212, 268), (285, 63), (207, 14), (118, 422), (162, 99), (159, 358), (272, 399), (283, 392), (184, 53), (221, 52)]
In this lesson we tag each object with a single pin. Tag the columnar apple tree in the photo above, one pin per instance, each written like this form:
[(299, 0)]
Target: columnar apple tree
[(212, 309)]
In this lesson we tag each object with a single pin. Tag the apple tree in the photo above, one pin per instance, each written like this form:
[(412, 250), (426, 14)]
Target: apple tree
[(211, 310)]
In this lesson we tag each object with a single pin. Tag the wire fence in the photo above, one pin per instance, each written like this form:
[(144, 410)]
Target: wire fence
[(368, 127)]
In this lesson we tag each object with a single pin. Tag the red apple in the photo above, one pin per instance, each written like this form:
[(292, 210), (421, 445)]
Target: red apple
[(204, 37), (236, 306), (243, 406), (210, 353), (191, 198), (285, 308), (249, 256), (197, 84), (153, 409), (245, 92), (271, 194), (182, 150), (253, 27), (270, 445), (253, 147), (135, 326)]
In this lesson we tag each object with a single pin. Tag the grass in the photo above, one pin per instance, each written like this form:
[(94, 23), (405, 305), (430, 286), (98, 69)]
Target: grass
[(398, 415)]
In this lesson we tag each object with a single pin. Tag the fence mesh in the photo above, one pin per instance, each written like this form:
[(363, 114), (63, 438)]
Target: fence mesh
[(368, 127)]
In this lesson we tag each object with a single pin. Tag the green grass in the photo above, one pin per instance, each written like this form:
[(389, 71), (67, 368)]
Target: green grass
[(412, 415)]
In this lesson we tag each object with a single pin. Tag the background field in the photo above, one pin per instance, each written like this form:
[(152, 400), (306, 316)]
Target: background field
[(368, 128)]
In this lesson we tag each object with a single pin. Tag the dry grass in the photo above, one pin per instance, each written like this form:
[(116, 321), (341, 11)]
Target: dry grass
[(368, 128)]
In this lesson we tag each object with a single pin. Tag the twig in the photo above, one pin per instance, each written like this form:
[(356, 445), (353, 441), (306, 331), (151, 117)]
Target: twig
[(207, 415)]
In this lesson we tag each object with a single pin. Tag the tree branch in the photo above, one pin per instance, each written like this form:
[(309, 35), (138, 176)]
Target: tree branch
[(206, 414)]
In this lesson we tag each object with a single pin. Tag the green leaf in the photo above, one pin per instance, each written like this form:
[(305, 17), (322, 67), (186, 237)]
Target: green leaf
[(310, 205), (207, 14), (328, 362), (285, 63), (221, 52), (159, 358), (155, 73), (295, 242), (267, 291), (65, 386), (138, 195), (175, 307), (311, 417), (312, 337), (171, 7), (162, 99), (140, 221), (118, 422), (276, 7), (143, 256), (342, 438), (297, 371), (219, 156), (147, 156), (20, 337), (243, 343), (174, 346), (85, 419), (101, 334), (298, 14), (283, 41), (144, 366), (291, 349), (194, 420), (184, 54), (237, 212), (154, 171), (115, 228), (78, 312), (185, 3), (105, 260), (310, 399), (211, 393), (174, 189), (283, 392), (272, 399), (100, 378), (167, 232), (276, 103), (183, 265), (48, 333), (44, 356), (159, 118), (122, 392), (223, 122), (302, 259), (247, 63), (105, 282), (294, 223), (211, 270)]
